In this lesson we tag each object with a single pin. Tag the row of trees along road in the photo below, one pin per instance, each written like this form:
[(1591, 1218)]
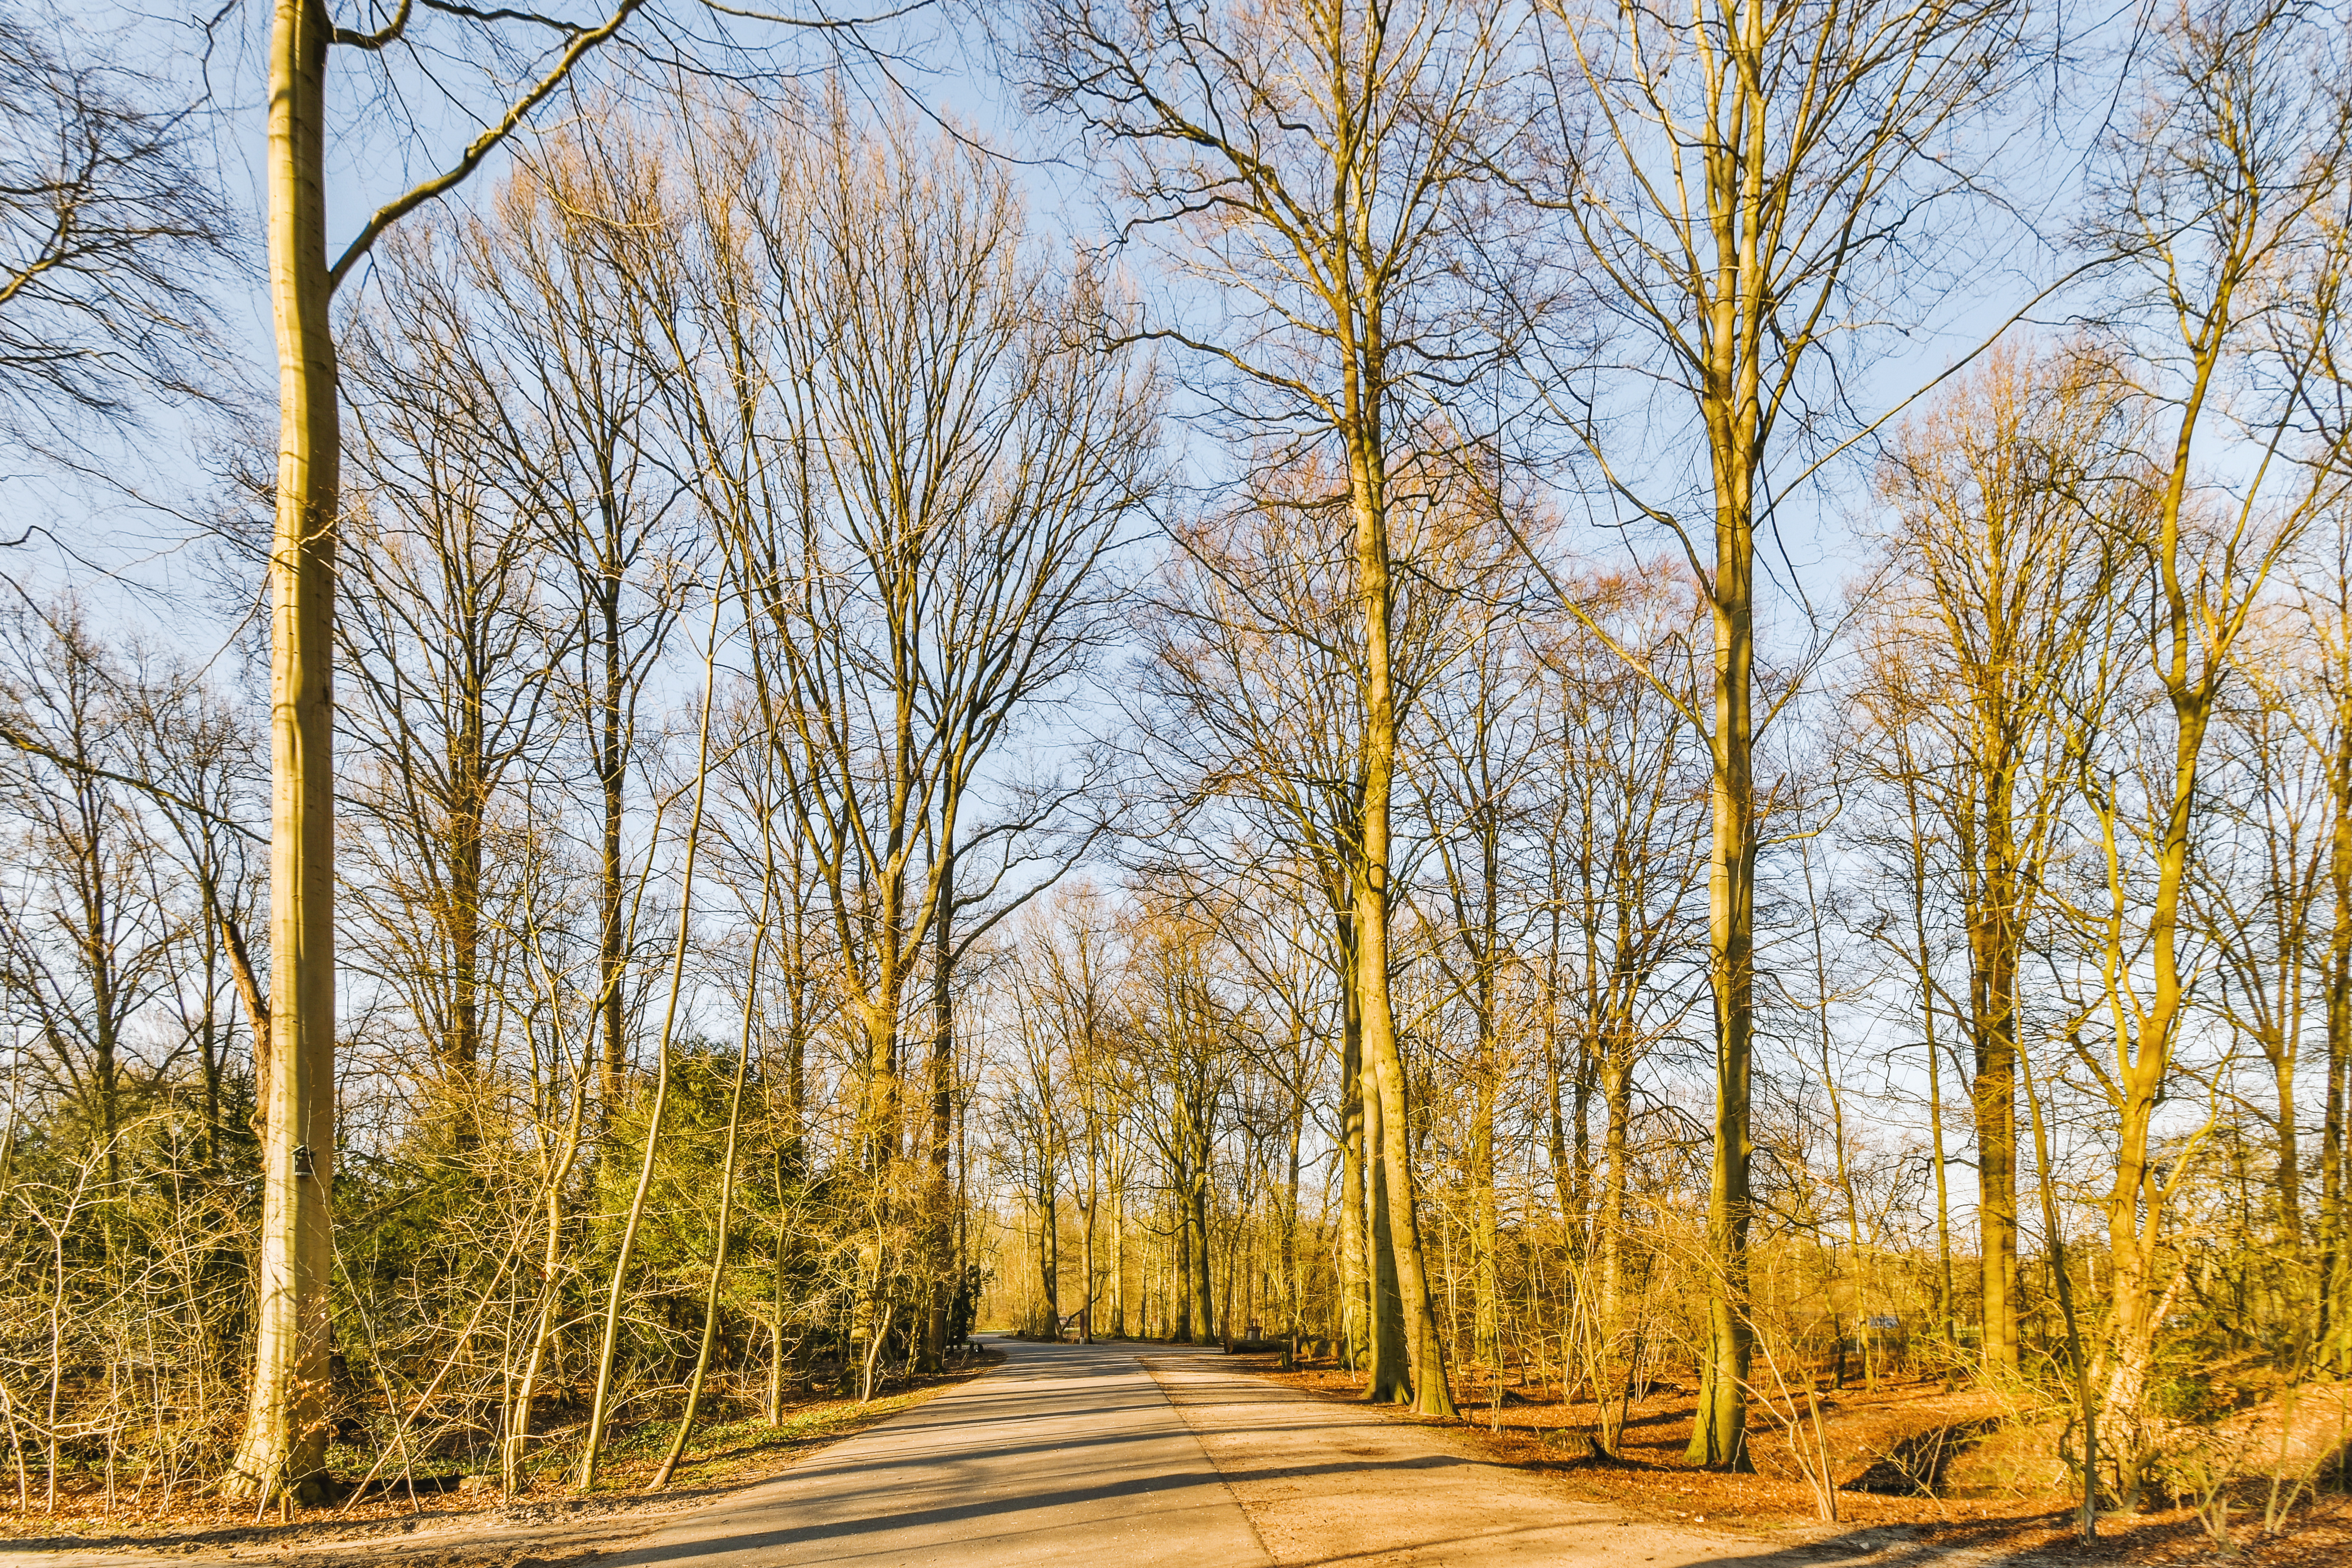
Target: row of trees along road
[(822, 826)]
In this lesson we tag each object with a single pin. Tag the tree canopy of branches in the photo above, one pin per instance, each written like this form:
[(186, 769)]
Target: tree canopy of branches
[(1485, 707)]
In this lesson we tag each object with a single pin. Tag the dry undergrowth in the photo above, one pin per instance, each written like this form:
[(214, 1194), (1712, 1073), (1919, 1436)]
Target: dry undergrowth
[(1650, 1477)]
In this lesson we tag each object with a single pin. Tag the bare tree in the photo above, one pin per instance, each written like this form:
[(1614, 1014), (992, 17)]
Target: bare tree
[(1477, 752), (447, 647), (1734, 175), (1318, 166), (1988, 640), (919, 504), (1182, 1029), (1251, 709), (2257, 887), (541, 314), (284, 1439), (111, 233), (1254, 711), (86, 937), (2225, 207), (200, 766), (1622, 860), (2324, 601)]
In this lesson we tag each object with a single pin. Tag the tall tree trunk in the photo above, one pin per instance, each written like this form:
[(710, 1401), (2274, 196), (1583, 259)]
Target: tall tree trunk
[(1388, 1376), (1368, 486), (1719, 1434), (1180, 1281), (2286, 1165), (1087, 1251), (2185, 632), (1993, 985), (1923, 957), (256, 1001), (879, 1012), (468, 814), (1118, 1250), (774, 1413), (1203, 1281), (284, 1439), (940, 1219), (1617, 1098), (1486, 1224), (1563, 1174), (2336, 1244), (2135, 1205), (1356, 1334), (1294, 1280), (465, 1042), (1049, 1260), (612, 769)]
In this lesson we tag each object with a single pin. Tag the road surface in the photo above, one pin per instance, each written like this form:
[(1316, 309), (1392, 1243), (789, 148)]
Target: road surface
[(1134, 1458)]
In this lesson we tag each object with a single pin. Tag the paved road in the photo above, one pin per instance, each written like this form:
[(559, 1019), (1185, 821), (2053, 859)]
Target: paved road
[(1136, 1458), (1124, 1457), (1069, 1454)]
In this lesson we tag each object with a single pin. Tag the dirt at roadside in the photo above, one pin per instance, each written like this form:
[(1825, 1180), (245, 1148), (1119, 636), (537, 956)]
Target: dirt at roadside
[(1522, 1427), (542, 1535), (467, 1529)]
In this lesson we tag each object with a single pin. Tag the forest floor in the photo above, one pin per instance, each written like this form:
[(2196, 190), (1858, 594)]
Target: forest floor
[(1522, 1425), (470, 1527)]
